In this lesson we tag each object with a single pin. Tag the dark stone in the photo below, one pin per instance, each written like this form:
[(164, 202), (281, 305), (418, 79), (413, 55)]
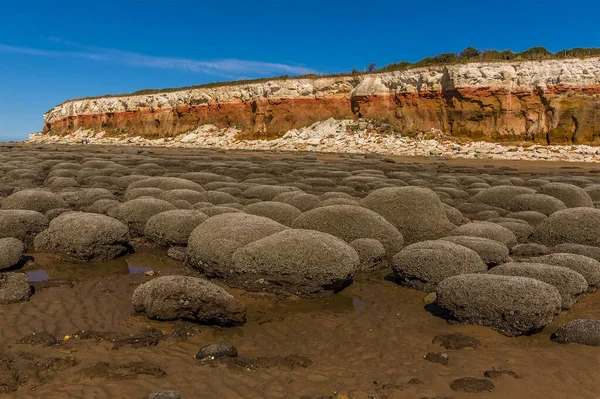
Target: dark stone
[(415, 381), (456, 341), (42, 338), (493, 373), (216, 351), (140, 339), (472, 385), (440, 358), (581, 331)]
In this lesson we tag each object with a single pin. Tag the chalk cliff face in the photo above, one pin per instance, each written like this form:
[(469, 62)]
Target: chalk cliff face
[(552, 101)]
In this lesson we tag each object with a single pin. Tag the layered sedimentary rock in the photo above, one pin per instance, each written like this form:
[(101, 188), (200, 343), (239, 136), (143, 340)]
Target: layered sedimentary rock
[(551, 101)]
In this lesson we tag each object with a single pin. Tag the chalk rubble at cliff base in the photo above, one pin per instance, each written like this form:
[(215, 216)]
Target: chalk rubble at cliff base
[(306, 226), (340, 136)]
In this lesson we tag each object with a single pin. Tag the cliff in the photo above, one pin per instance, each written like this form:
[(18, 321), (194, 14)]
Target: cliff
[(551, 101)]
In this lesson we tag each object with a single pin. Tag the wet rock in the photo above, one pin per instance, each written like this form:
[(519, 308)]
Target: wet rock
[(177, 253), (43, 338), (127, 371), (440, 358), (569, 283), (216, 351), (164, 395), (188, 298), (472, 385), (423, 265), (416, 212), (85, 236), (140, 339), (14, 288), (371, 254), (580, 331), (11, 251), (456, 341), (255, 363), (21, 368), (415, 381), (494, 373), (512, 305), (136, 213), (302, 262)]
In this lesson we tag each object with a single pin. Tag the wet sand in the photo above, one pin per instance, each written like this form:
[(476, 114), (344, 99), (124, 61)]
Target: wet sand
[(366, 342)]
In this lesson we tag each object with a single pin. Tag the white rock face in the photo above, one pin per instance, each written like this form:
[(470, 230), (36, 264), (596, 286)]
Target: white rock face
[(511, 76)]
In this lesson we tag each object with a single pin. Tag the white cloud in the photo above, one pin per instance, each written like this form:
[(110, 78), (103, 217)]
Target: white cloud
[(224, 67)]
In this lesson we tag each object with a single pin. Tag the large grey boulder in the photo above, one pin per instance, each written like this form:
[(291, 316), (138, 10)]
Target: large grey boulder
[(14, 288), (136, 213), (34, 200), (571, 195), (11, 251), (580, 331), (589, 268), (424, 264), (489, 230), (416, 212), (188, 298), (84, 236), (21, 224), (573, 226), (213, 242), (491, 252), (173, 227), (512, 305), (306, 263), (569, 283), (350, 223)]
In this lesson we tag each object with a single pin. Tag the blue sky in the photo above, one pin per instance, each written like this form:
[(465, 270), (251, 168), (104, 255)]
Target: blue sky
[(52, 51)]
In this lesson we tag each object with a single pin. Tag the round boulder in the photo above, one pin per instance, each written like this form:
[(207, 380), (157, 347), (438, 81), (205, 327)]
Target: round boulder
[(278, 211), (173, 227), (574, 226), (571, 195), (491, 252), (11, 251), (580, 331), (306, 263), (371, 254), (589, 268), (542, 203), (500, 196), (84, 236), (350, 223), (188, 298), (512, 305), (22, 225), (14, 288), (416, 212), (213, 242), (34, 200), (491, 231), (569, 283), (136, 213), (424, 264)]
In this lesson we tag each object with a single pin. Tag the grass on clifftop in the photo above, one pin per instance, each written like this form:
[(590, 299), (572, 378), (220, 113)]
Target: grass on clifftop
[(466, 56)]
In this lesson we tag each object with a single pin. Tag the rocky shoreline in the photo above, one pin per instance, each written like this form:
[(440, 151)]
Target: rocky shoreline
[(341, 136)]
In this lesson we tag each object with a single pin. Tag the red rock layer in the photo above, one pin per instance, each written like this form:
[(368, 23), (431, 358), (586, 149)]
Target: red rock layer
[(556, 115)]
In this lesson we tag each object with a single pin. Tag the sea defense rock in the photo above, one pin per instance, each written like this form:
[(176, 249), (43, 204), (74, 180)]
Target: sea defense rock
[(84, 236), (423, 265), (188, 298), (512, 305), (306, 263)]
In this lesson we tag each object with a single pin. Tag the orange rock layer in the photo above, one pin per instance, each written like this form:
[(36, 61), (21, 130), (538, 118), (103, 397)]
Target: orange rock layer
[(555, 115)]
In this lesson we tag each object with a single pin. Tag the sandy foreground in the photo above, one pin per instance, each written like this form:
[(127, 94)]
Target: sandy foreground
[(368, 341)]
